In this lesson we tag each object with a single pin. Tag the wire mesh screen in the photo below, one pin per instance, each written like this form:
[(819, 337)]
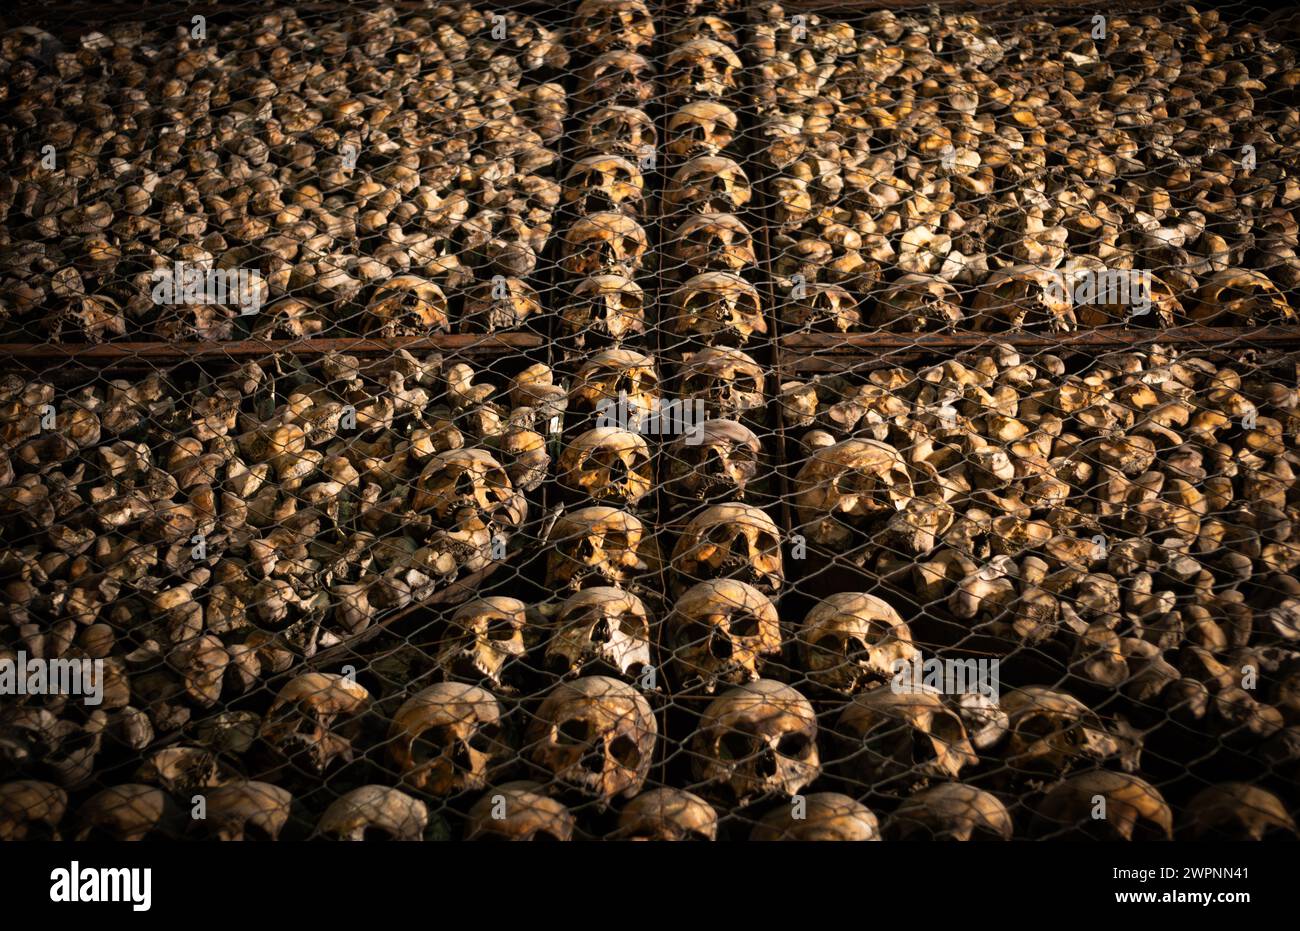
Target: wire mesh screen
[(609, 420)]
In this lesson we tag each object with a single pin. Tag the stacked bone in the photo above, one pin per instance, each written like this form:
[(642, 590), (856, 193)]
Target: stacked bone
[(368, 169), (940, 173)]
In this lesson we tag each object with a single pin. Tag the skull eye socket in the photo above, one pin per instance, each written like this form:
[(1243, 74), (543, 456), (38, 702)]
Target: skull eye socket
[(484, 738), (1038, 727), (737, 746), (794, 746), (746, 625), (574, 732), (501, 629), (746, 384), (623, 750), (616, 540)]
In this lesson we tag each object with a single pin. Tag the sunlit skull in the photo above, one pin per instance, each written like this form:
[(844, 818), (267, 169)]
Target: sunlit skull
[(1023, 297), (701, 128), (853, 640), (31, 810), (447, 739), (604, 183), (374, 813), (824, 816), (616, 130), (721, 631), (604, 308), (717, 462), (701, 68), (463, 484), (1242, 297), (484, 641), (596, 735), (728, 381), (604, 242), (519, 811), (755, 740), (611, 24), (823, 307), (1134, 809), (850, 486), (608, 464), (600, 627), (611, 375), (500, 304), (713, 242), (667, 815), (314, 718), (708, 184), (729, 541), (618, 77), (1052, 732), (598, 546), (717, 307), (951, 811), (406, 305), (1236, 811), (243, 810), (906, 738), (917, 303)]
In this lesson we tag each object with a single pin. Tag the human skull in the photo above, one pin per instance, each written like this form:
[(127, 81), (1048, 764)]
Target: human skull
[(825, 816), (519, 811), (608, 464), (314, 719), (704, 127), (951, 811), (129, 812), (1023, 297), (1051, 732), (853, 640), (467, 484), (916, 304), (604, 308), (667, 815), (1134, 809), (598, 546), (611, 375), (244, 810), (600, 183), (729, 541), (850, 486), (596, 735), (31, 810), (708, 184), (717, 307), (717, 463), (504, 305), (713, 242), (610, 24), (1236, 811), (604, 243), (701, 68), (757, 739), (617, 77), (406, 305), (907, 735), (616, 130), (526, 458), (720, 631), (484, 639), (374, 813), (1242, 297), (728, 381), (824, 307), (601, 626), (447, 739)]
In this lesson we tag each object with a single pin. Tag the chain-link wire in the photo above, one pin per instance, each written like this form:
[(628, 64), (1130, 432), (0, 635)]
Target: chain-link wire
[(619, 420)]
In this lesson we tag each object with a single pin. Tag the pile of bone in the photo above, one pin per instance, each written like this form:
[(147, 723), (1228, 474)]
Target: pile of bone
[(942, 172), (199, 549), (372, 171)]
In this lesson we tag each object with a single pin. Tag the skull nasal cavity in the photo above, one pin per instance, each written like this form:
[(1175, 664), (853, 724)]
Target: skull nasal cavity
[(719, 647), (465, 484), (600, 633)]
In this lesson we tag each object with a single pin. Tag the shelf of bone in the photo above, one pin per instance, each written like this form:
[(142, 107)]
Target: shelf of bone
[(482, 343)]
